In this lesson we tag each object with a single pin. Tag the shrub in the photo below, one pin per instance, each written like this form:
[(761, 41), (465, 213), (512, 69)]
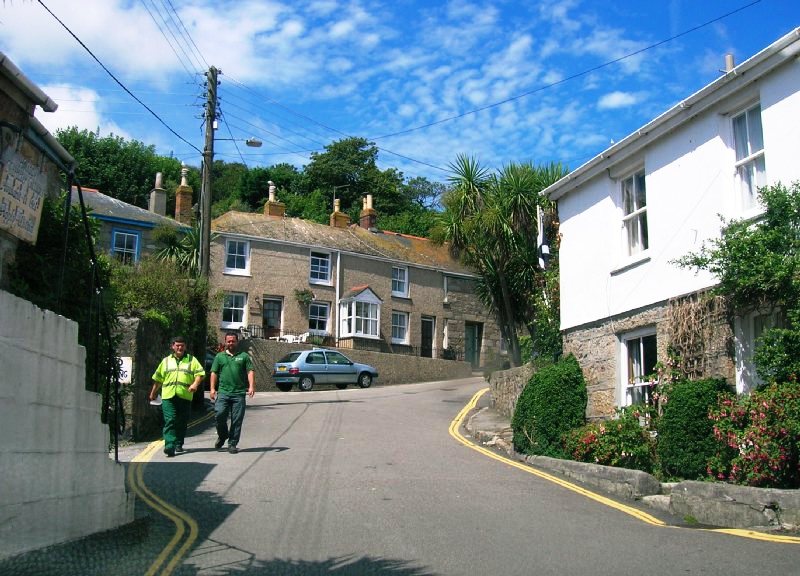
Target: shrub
[(757, 437), (621, 442), (685, 433), (552, 403)]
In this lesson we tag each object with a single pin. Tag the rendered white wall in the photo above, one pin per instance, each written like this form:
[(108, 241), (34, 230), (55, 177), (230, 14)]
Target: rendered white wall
[(57, 480), (690, 182)]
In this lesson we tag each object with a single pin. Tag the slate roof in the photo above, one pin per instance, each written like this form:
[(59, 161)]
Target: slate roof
[(354, 239), (108, 208)]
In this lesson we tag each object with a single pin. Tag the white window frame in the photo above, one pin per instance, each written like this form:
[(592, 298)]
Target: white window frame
[(400, 324), (229, 305), (360, 319), (121, 254), (315, 269), (633, 387), (748, 329), (635, 231), (400, 281), (314, 316), (241, 252), (748, 147)]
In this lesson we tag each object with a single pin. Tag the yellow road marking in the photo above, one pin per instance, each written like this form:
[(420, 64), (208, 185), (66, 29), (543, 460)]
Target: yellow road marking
[(178, 517), (455, 425)]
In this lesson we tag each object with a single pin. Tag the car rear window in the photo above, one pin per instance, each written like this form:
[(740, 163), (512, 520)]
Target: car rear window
[(290, 357)]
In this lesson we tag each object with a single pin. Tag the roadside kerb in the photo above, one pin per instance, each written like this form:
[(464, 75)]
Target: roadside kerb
[(707, 503)]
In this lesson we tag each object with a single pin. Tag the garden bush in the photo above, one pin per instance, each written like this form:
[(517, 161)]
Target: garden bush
[(552, 403), (620, 442), (685, 432), (757, 437)]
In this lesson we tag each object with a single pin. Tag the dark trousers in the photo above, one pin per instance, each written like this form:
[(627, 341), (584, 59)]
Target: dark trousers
[(233, 405), (176, 413)]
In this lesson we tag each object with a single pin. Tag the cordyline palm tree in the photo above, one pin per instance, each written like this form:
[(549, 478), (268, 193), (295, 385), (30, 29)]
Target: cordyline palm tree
[(491, 222), (182, 248)]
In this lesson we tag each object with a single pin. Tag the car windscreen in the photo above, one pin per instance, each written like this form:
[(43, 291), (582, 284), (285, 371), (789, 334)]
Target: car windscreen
[(290, 357)]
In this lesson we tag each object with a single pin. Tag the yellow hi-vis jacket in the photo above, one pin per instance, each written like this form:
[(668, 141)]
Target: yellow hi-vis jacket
[(175, 376)]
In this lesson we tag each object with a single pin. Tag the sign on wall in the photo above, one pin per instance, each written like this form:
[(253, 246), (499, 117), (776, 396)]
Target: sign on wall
[(23, 186)]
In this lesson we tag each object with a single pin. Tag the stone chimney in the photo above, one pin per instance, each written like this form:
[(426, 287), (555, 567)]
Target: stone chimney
[(338, 218), (272, 206), (183, 199), (158, 198), (368, 217)]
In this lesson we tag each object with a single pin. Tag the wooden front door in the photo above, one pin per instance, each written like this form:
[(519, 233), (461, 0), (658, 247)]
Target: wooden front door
[(427, 332), (273, 311)]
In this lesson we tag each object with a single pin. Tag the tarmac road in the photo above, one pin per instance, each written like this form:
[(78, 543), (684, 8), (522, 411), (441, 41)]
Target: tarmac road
[(377, 481)]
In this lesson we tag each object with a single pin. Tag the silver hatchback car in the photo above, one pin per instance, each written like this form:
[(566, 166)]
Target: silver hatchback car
[(320, 366)]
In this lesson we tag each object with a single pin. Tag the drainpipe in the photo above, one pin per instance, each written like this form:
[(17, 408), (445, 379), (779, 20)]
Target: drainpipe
[(338, 291)]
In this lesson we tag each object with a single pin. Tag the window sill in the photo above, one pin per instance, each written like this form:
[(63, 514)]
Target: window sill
[(635, 262), (401, 296), (236, 272), (400, 342), (320, 282), (231, 325), (364, 336)]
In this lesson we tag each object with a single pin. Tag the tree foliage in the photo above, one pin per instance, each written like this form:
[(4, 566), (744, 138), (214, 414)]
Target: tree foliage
[(491, 221), (123, 169), (757, 264)]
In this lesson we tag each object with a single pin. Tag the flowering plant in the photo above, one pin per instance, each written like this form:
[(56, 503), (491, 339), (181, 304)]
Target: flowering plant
[(758, 437), (620, 442)]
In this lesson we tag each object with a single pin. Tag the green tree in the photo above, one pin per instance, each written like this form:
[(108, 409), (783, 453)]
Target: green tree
[(119, 168), (757, 264), (350, 166), (491, 221)]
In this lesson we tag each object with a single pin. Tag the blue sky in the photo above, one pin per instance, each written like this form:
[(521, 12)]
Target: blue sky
[(502, 81)]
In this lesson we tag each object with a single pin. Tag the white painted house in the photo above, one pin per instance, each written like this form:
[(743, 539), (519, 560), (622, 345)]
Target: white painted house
[(657, 195)]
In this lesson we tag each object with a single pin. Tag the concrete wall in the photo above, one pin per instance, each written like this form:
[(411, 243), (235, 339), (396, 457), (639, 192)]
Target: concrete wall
[(58, 481)]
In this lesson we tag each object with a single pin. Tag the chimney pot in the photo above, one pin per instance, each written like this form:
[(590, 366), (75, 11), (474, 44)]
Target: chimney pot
[(729, 63)]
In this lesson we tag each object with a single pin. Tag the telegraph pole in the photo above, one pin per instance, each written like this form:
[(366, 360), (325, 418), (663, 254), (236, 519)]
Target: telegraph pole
[(208, 162)]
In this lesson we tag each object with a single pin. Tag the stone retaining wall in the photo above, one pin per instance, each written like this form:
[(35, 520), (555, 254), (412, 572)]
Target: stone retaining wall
[(506, 386), (392, 368)]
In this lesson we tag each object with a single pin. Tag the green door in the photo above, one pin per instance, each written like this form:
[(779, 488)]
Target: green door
[(473, 334)]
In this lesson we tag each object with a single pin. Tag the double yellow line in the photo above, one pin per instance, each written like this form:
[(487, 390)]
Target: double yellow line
[(184, 524), (454, 430)]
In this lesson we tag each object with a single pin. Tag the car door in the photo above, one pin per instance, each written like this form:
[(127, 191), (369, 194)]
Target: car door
[(316, 366), (340, 369)]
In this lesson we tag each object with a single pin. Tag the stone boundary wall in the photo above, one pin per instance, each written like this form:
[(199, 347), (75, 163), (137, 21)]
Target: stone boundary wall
[(506, 386), (58, 481), (392, 368)]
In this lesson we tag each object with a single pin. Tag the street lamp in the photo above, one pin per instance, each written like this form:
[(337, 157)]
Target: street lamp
[(251, 142)]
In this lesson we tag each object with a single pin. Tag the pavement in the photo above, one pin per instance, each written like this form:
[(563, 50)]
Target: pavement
[(700, 504)]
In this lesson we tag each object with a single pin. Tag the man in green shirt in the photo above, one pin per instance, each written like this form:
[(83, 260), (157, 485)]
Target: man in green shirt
[(233, 371), (179, 376)]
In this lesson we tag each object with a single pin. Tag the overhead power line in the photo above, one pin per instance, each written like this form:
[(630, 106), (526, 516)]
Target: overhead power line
[(564, 80), (103, 66)]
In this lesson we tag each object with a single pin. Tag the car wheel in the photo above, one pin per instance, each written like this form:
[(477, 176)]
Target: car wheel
[(365, 379), (341, 385), (284, 387), (306, 383)]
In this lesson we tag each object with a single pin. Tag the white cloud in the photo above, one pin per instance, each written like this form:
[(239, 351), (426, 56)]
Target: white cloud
[(617, 99), (81, 107)]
